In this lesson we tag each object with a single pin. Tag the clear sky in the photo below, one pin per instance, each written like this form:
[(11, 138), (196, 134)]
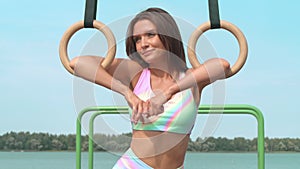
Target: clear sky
[(37, 93)]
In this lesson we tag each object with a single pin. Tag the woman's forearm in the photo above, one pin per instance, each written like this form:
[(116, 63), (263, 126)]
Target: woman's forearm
[(207, 73)]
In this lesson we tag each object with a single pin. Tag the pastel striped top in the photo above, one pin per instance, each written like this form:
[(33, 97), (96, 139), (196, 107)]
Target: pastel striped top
[(179, 112)]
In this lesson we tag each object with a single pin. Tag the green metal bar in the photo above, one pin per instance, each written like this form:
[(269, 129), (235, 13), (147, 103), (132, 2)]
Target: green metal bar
[(78, 134), (91, 135), (78, 126), (91, 131), (243, 109), (204, 109)]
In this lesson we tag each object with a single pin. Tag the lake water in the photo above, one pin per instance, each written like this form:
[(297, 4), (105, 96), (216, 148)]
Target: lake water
[(66, 160)]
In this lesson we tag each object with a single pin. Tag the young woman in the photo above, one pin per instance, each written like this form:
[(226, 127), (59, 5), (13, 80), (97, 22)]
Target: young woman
[(163, 94)]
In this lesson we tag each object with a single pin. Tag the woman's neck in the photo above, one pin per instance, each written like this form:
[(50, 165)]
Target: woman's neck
[(160, 73)]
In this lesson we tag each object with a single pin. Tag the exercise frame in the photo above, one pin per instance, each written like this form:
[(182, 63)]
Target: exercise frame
[(236, 109)]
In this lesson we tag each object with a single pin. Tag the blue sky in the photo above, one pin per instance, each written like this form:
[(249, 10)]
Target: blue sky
[(37, 92)]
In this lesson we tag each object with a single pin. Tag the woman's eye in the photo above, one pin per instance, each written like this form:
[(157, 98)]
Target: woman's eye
[(151, 34), (136, 39)]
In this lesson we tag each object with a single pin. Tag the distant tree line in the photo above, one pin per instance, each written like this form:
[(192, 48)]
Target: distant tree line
[(26, 141), (240, 144)]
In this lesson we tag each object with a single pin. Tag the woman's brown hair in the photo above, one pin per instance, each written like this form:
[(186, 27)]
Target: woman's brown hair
[(168, 33)]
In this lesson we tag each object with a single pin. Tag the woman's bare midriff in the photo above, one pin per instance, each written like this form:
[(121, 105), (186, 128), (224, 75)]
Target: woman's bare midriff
[(160, 150)]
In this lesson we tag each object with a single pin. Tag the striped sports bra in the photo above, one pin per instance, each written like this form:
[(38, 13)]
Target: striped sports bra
[(179, 112)]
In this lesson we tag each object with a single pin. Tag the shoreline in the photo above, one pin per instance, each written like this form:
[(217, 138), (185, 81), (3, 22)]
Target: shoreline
[(191, 152)]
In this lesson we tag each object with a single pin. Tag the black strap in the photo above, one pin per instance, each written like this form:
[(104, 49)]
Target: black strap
[(214, 14), (90, 13)]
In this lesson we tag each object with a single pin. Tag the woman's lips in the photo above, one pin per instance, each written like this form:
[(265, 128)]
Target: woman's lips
[(147, 52)]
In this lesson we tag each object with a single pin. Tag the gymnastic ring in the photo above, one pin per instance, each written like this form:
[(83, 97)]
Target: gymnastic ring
[(63, 46), (229, 27)]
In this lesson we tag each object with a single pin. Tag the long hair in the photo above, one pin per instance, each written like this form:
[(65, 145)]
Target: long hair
[(168, 33)]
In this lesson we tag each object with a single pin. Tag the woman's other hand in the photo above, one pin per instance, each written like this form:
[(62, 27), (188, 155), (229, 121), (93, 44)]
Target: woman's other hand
[(156, 103), (138, 106)]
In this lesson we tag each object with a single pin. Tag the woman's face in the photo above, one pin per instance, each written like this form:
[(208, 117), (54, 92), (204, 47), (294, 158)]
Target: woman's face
[(147, 41)]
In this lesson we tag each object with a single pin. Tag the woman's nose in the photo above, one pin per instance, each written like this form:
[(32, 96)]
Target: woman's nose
[(144, 42)]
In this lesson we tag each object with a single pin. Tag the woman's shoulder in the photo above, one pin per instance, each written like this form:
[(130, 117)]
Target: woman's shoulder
[(185, 72), (188, 70), (133, 68), (124, 69), (122, 65)]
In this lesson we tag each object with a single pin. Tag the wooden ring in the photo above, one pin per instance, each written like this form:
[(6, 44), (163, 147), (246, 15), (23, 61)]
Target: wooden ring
[(229, 27), (63, 46)]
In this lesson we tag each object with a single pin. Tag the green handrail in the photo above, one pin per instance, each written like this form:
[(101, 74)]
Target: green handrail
[(204, 109), (78, 127)]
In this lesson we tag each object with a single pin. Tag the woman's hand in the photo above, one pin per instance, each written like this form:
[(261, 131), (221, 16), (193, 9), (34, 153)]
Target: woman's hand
[(156, 102), (138, 106)]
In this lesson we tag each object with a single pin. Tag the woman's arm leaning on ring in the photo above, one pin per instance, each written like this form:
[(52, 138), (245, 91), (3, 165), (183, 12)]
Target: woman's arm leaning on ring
[(209, 72), (116, 77), (89, 68)]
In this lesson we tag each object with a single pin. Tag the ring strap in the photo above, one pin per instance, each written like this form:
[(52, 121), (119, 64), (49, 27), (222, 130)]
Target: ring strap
[(214, 14), (90, 13)]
